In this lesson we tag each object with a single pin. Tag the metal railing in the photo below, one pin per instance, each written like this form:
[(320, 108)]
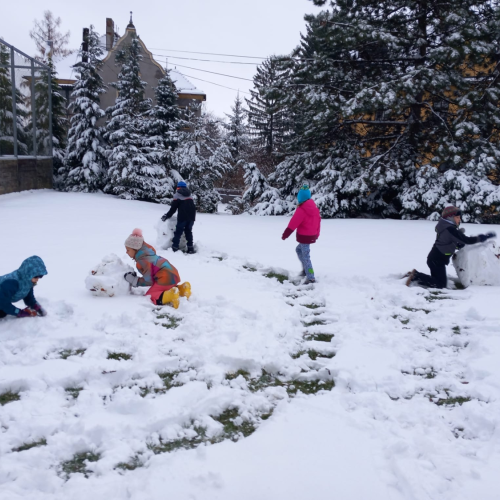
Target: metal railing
[(25, 104)]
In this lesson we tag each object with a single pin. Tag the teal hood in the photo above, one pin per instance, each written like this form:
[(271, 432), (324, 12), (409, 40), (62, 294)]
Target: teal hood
[(30, 268)]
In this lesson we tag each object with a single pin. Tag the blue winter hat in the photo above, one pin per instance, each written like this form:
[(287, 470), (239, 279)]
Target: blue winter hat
[(304, 194), (181, 184)]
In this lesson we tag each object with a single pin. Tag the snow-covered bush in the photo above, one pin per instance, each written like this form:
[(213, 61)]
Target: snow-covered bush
[(106, 279)]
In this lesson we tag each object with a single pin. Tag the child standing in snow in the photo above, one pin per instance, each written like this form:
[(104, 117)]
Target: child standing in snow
[(448, 239), (185, 219), (307, 221), (19, 285), (157, 272)]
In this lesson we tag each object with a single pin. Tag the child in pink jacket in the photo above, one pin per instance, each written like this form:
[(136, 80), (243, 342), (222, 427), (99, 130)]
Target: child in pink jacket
[(307, 221)]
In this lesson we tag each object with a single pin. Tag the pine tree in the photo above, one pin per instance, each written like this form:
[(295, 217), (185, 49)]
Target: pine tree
[(6, 111), (162, 126), (85, 162), (59, 120), (237, 131), (46, 32), (202, 157), (131, 174)]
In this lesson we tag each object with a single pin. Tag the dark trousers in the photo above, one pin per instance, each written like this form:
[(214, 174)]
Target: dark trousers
[(437, 263), (2, 314), (185, 227)]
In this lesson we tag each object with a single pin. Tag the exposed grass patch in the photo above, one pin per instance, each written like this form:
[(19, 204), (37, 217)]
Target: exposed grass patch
[(314, 322), (412, 309), (79, 463), (405, 321), (310, 386), (9, 397), (313, 306), (436, 296), (452, 401), (459, 286), (74, 392), (233, 375), (231, 429), (280, 277), (250, 268), (314, 355), (456, 330), (430, 329), (169, 379), (66, 353), (119, 356), (319, 337), (218, 257), (28, 446), (170, 322), (134, 463)]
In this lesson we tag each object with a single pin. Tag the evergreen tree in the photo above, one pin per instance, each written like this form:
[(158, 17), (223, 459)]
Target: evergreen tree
[(202, 158), (237, 131), (162, 127), (131, 174), (85, 162), (6, 111)]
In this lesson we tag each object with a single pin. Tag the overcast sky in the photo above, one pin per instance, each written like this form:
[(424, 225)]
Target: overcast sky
[(240, 27)]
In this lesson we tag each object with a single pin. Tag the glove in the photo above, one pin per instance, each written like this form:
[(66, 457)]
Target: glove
[(462, 230), (26, 313), (491, 234), (132, 278), (165, 217), (39, 310), (482, 238)]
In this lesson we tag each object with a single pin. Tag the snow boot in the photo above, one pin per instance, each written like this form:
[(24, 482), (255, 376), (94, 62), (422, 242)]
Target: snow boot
[(171, 297), (185, 289), (191, 250), (410, 276), (174, 249), (310, 281)]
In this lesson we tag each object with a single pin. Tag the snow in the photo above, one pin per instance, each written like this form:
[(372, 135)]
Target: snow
[(478, 264), (165, 234), (182, 84), (377, 434), (106, 279)]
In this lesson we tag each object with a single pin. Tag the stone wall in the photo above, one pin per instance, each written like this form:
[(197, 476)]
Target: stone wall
[(23, 173)]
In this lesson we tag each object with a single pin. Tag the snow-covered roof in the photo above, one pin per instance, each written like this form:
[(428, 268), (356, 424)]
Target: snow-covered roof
[(182, 84)]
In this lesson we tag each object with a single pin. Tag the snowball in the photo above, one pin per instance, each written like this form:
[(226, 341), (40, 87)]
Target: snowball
[(478, 264), (106, 279), (166, 233)]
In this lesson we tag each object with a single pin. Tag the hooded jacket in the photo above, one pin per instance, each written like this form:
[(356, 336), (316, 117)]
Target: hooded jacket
[(307, 221), (449, 238), (17, 285), (185, 204), (155, 269)]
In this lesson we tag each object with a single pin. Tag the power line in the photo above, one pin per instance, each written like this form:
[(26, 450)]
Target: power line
[(214, 73), (218, 84), (209, 53), (205, 60)]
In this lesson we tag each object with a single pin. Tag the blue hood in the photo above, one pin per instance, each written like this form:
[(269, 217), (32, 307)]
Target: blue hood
[(30, 268)]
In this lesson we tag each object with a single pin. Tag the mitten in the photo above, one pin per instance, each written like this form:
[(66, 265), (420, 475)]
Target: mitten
[(462, 230), (39, 310), (164, 218), (26, 313), (491, 234), (132, 278), (482, 238)]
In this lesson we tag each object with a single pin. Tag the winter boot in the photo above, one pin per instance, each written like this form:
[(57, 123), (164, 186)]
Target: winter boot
[(410, 276), (310, 281), (171, 297), (191, 250), (185, 289), (174, 249)]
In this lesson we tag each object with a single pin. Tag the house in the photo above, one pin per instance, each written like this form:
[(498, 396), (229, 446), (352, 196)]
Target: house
[(151, 70)]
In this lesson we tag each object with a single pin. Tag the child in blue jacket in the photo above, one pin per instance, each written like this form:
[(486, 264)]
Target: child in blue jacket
[(19, 285)]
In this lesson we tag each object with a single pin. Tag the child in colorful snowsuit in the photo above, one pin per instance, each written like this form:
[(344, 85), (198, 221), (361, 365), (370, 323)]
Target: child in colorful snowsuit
[(157, 272), (19, 285), (307, 221), (185, 218), (448, 239)]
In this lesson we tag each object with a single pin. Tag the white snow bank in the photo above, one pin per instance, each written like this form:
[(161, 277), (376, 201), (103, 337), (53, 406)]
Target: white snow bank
[(478, 264), (106, 279)]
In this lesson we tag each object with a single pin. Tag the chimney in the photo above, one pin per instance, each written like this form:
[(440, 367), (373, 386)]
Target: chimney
[(85, 45), (110, 33)]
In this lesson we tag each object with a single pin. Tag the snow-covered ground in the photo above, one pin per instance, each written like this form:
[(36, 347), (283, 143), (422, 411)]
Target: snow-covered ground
[(414, 413)]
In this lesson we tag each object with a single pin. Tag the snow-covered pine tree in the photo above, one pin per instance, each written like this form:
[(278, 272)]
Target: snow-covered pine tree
[(202, 157), (6, 110), (131, 175), (85, 163), (59, 113), (162, 126)]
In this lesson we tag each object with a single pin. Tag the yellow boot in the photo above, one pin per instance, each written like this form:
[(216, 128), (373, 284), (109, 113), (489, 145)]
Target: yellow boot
[(171, 297), (185, 290)]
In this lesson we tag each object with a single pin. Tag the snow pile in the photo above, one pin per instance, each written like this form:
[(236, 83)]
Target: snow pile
[(478, 264), (166, 231), (106, 279)]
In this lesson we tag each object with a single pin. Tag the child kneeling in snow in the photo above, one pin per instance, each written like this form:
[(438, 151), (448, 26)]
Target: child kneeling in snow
[(19, 286), (448, 239), (307, 221), (157, 272)]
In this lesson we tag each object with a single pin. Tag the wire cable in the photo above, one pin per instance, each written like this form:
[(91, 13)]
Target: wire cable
[(208, 53), (218, 84), (214, 73), (206, 60)]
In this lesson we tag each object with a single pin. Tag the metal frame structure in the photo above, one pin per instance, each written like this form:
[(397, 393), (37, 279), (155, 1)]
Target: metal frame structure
[(33, 67)]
